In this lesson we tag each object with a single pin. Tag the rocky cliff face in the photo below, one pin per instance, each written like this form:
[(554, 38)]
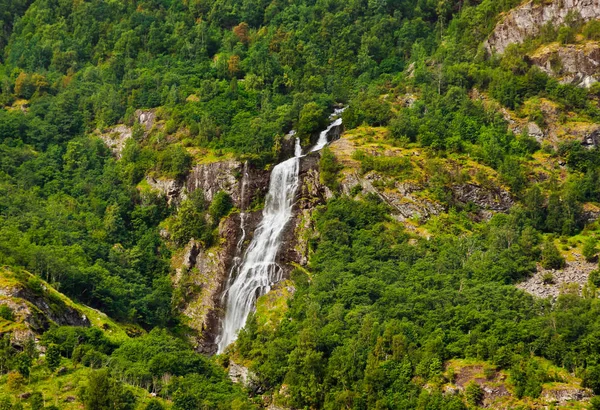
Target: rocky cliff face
[(202, 277), (202, 273), (214, 177), (528, 19), (35, 309), (573, 64)]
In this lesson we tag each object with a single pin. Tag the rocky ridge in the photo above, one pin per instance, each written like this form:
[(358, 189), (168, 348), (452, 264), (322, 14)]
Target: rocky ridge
[(35, 306), (528, 19), (574, 64)]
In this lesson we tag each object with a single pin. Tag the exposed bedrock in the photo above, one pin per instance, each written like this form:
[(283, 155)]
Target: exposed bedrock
[(527, 20)]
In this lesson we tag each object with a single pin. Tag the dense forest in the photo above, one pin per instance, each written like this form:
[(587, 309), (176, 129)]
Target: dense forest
[(379, 310)]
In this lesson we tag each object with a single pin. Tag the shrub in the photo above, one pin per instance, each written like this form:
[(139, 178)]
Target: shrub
[(174, 161), (591, 30), (595, 278), (329, 167), (6, 313), (220, 206), (590, 249), (548, 278), (566, 35), (591, 379), (474, 394), (551, 257), (154, 405)]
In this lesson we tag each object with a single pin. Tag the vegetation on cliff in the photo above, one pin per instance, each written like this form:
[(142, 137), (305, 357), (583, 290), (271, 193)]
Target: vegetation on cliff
[(388, 307)]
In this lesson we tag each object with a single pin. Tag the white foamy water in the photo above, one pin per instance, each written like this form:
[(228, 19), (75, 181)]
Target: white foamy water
[(322, 141), (258, 270)]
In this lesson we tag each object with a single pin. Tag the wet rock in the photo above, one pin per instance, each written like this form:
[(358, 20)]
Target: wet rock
[(202, 279), (527, 20)]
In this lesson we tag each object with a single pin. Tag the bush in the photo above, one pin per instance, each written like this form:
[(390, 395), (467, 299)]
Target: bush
[(591, 378), (154, 405), (595, 278), (53, 357), (474, 394), (551, 257), (174, 161), (590, 249), (220, 206), (548, 278), (329, 167), (591, 30), (6, 313), (566, 35)]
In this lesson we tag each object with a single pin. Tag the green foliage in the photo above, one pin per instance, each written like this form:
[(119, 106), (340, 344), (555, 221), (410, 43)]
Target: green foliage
[(551, 257), (103, 392), (174, 161), (329, 167), (474, 394), (591, 30), (312, 119), (527, 379), (154, 405), (6, 313), (53, 357), (591, 379), (36, 401), (23, 364), (566, 35), (190, 221), (590, 249), (220, 206), (392, 166)]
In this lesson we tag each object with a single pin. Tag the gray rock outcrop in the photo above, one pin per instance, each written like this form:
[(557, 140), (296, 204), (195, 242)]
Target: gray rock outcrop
[(551, 282), (527, 20), (573, 64)]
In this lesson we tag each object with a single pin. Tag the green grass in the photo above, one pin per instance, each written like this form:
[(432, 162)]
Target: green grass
[(62, 387)]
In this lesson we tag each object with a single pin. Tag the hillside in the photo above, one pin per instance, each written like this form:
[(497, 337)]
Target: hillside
[(299, 205)]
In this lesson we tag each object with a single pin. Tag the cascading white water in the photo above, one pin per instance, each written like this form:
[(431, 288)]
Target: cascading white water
[(322, 141), (237, 259), (259, 270)]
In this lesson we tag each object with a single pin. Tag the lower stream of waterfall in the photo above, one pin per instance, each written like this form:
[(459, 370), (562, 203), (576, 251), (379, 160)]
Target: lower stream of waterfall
[(258, 270)]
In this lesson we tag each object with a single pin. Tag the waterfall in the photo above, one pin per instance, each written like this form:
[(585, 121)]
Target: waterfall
[(322, 141), (258, 270), (238, 249)]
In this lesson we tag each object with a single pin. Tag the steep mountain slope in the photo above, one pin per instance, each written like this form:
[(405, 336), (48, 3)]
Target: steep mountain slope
[(440, 252)]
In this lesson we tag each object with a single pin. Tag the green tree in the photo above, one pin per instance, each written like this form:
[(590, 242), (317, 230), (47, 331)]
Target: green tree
[(311, 119), (474, 394), (551, 257), (103, 392), (590, 249), (53, 356), (23, 364), (220, 206)]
